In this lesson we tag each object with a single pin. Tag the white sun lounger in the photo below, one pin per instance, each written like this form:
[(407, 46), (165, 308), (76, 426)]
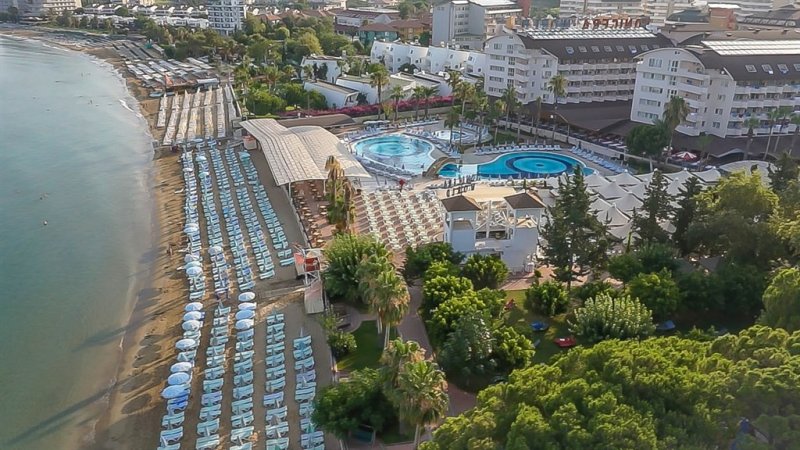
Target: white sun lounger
[(212, 385), (302, 342), (276, 414), (305, 395), (208, 442), (208, 428), (210, 412), (242, 406), (278, 430), (242, 420), (211, 399), (275, 318), (243, 392), (172, 420), (171, 436), (275, 349), (306, 408), (241, 434), (304, 364), (274, 399), (242, 367), (245, 446), (278, 444), (303, 353), (243, 379), (276, 385)]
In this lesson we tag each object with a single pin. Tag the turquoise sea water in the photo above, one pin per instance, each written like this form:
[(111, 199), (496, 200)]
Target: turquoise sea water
[(66, 289)]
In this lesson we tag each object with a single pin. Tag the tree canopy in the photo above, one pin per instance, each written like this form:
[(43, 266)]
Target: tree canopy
[(418, 259), (657, 291), (344, 255), (485, 271), (782, 300), (606, 317), (647, 140), (342, 407), (652, 394)]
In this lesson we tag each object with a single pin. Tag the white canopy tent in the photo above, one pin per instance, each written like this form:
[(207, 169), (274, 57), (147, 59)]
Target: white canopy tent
[(627, 203), (625, 179), (611, 191), (299, 153)]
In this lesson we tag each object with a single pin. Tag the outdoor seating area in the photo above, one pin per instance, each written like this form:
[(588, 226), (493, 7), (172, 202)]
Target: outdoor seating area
[(401, 218), (599, 160), (311, 207)]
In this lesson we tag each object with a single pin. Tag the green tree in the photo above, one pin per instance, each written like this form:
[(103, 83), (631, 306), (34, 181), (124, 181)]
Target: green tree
[(549, 298), (429, 92), (465, 91), (423, 388), (379, 78), (593, 288), (625, 267), (511, 350), (341, 408), (451, 120), (783, 172), (779, 114), (782, 301), (445, 317), (741, 287), (393, 359), (576, 241), (417, 95), (437, 290), (420, 258), (341, 343), (441, 269), (396, 94), (648, 140), (254, 25), (657, 291), (655, 210), (453, 78), (684, 213), (605, 317), (675, 113), (260, 102), (466, 353), (384, 290), (485, 271), (344, 255)]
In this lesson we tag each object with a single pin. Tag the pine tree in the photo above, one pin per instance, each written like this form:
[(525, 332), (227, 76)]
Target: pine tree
[(655, 210), (684, 214), (576, 241)]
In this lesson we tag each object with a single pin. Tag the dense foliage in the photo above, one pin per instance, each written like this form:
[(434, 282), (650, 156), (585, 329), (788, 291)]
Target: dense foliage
[(420, 258), (549, 298), (341, 408), (606, 317), (654, 394), (485, 271), (341, 343), (437, 290), (655, 210), (657, 291), (343, 254), (782, 300), (466, 355), (647, 258), (591, 289)]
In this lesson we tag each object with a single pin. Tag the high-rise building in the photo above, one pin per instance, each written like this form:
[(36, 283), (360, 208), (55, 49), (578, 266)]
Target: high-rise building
[(598, 64), (725, 80), (226, 16), (467, 23)]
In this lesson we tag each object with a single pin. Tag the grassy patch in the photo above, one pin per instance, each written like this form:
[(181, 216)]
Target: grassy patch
[(393, 435), (520, 318), (368, 352)]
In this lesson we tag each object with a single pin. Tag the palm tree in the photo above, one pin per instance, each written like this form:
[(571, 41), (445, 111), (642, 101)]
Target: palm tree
[(537, 118), (378, 79), (428, 93), (675, 112), (558, 86), (773, 117), (795, 120), (509, 96), (783, 113), (394, 358), (417, 96), (424, 391), (750, 123), (451, 120), (465, 91), (288, 72), (496, 111), (453, 79), (481, 104), (390, 300), (271, 75), (396, 94)]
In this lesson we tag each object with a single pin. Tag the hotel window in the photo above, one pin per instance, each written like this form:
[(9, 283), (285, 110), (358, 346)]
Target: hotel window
[(750, 68), (632, 48), (582, 49), (570, 50), (653, 62), (783, 68), (497, 46), (715, 125), (596, 49), (797, 67), (767, 68), (607, 48)]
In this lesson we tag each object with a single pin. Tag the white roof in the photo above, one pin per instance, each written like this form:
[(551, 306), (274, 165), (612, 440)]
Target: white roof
[(611, 191), (300, 153), (622, 231), (595, 181), (638, 190), (645, 177), (599, 205), (627, 203), (683, 175), (625, 179), (613, 217), (708, 176), (675, 186)]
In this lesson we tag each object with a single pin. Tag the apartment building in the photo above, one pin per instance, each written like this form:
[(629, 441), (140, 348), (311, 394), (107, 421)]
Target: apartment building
[(226, 16), (37, 8), (598, 64), (659, 10), (467, 23), (395, 55), (725, 80), (582, 8)]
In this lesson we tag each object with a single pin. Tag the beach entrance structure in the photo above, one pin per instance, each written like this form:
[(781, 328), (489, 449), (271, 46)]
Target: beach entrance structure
[(308, 263)]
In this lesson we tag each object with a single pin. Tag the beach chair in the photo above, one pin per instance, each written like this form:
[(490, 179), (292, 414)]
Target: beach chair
[(207, 442), (277, 414), (245, 446), (215, 350), (171, 436), (306, 385), (305, 377), (242, 420), (276, 328), (242, 367), (305, 395), (276, 338), (187, 356), (276, 385), (302, 342), (212, 385), (304, 364), (243, 392), (246, 334), (311, 440), (275, 318), (277, 430), (273, 400), (243, 379), (169, 447), (172, 420), (307, 425), (303, 353), (243, 356), (242, 406), (275, 360), (215, 361), (278, 444), (244, 345), (274, 373), (241, 434), (208, 428), (210, 412)]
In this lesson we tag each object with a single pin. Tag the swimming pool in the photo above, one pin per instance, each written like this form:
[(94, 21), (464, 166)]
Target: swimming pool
[(397, 150), (517, 165)]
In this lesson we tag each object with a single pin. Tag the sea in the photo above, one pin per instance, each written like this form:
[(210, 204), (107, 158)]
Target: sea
[(76, 232)]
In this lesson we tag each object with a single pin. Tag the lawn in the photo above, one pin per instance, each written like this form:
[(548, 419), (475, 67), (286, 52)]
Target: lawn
[(520, 318), (368, 351)]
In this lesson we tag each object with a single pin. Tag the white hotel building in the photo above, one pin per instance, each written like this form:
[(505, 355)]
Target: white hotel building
[(433, 59), (467, 23), (599, 65), (723, 81), (226, 16)]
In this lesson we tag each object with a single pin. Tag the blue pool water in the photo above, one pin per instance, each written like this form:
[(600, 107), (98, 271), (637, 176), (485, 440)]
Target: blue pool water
[(397, 150), (517, 165)]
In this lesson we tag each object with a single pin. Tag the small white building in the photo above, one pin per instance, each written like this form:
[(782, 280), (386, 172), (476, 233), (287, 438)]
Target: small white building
[(331, 62), (433, 59), (335, 96), (363, 86), (495, 221)]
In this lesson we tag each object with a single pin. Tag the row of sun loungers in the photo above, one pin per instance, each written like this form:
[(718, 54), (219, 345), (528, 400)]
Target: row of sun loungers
[(500, 149), (213, 382), (169, 135), (305, 391), (219, 263), (183, 124), (614, 167), (277, 427)]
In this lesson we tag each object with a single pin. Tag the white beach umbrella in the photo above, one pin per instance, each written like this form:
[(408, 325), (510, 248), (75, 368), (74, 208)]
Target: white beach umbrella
[(247, 296), (193, 315), (245, 314), (193, 264), (173, 392), (214, 250), (191, 325), (244, 324), (188, 169), (246, 305), (189, 258), (181, 367), (178, 378), (244, 155), (201, 157), (186, 344), (194, 271), (191, 227), (193, 306)]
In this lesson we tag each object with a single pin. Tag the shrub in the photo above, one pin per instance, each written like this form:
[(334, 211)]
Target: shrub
[(341, 343), (549, 298), (419, 259), (592, 289), (440, 289), (342, 407), (485, 271), (604, 317), (657, 291)]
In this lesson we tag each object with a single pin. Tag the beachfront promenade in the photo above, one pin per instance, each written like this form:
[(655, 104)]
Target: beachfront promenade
[(244, 389)]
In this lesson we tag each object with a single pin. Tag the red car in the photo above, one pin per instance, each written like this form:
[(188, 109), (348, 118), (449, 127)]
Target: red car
[(565, 342)]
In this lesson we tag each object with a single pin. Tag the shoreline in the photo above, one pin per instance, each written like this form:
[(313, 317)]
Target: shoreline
[(129, 415)]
